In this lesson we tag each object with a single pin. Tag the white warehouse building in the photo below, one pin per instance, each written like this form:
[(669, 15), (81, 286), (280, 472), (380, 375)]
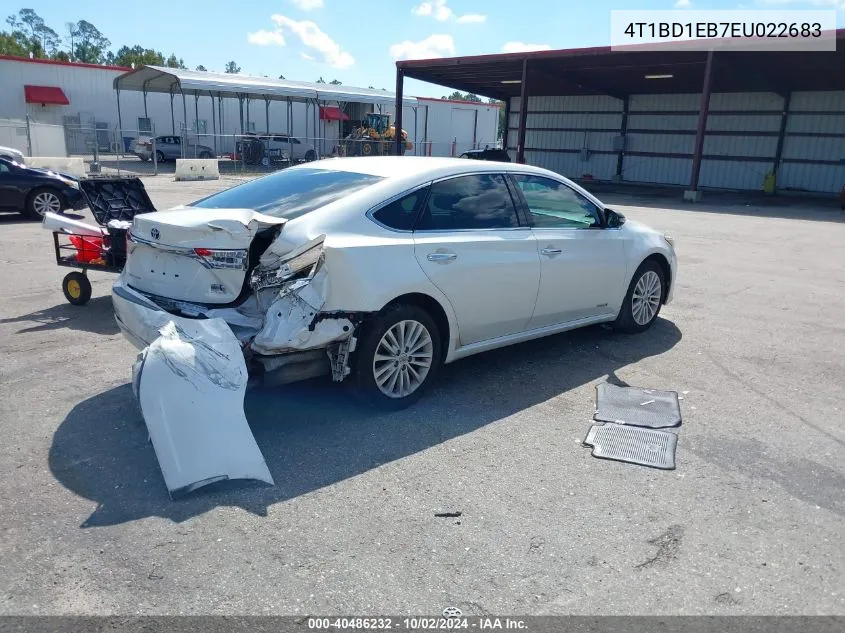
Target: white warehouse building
[(81, 100)]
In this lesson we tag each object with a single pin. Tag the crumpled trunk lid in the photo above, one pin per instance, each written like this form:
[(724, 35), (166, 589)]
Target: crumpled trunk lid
[(195, 255)]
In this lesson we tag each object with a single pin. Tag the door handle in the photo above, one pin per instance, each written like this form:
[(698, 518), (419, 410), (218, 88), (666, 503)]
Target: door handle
[(441, 257), (551, 251)]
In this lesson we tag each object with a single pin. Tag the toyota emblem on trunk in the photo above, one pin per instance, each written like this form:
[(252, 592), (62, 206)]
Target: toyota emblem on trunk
[(155, 234)]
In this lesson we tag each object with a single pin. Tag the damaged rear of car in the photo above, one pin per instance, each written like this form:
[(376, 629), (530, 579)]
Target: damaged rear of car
[(215, 294)]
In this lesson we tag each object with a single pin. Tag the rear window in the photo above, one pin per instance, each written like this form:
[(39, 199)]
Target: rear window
[(290, 193)]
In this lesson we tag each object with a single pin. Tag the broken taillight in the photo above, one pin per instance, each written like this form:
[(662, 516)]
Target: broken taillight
[(232, 259), (302, 261)]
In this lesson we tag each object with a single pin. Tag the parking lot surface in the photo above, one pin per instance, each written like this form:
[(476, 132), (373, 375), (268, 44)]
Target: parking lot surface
[(750, 522)]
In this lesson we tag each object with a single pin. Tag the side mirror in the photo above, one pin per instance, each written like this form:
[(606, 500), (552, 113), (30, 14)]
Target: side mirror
[(613, 219)]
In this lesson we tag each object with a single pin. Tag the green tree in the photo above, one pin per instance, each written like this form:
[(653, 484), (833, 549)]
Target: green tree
[(320, 81), (73, 35), (50, 40), (139, 56), (29, 30), (92, 45), (202, 68), (460, 96), (232, 68), (281, 76), (335, 82), (172, 62), (15, 43)]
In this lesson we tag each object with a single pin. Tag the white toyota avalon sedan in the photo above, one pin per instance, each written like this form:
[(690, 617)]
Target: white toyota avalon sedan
[(378, 270), (373, 270)]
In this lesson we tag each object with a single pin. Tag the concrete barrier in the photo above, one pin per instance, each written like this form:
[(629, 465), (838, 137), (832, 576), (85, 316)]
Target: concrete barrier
[(73, 166), (197, 169)]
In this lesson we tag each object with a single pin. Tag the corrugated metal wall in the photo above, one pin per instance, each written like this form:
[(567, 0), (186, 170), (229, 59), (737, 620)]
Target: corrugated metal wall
[(570, 135), (740, 144), (814, 146)]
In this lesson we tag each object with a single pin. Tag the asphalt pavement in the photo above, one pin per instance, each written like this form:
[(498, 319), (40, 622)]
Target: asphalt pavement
[(750, 522)]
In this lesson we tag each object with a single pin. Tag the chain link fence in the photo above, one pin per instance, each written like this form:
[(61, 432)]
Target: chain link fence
[(150, 152)]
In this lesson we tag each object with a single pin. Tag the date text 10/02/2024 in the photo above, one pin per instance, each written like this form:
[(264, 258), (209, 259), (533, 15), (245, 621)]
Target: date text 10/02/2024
[(416, 624), (739, 30)]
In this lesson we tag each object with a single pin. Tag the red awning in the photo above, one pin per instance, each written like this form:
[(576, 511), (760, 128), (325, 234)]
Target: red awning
[(52, 95), (332, 113)]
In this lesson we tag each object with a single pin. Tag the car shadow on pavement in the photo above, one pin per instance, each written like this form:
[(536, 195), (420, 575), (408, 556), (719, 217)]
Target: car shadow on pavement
[(15, 217), (96, 316), (312, 435)]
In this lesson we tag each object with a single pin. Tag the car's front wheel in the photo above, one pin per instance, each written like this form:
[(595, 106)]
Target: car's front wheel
[(397, 357), (643, 299), (42, 201)]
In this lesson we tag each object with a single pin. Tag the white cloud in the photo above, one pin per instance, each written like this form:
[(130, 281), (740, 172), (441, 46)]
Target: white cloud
[(431, 47), (522, 47), (438, 10), (311, 37), (265, 38), (683, 4), (306, 56), (308, 5)]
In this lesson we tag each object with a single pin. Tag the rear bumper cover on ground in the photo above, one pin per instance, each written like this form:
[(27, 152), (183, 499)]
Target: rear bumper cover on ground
[(190, 382)]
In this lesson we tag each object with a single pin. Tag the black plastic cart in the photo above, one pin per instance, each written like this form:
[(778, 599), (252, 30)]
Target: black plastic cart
[(111, 199)]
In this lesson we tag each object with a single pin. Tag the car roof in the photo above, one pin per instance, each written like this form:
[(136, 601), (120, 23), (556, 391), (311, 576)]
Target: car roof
[(413, 167)]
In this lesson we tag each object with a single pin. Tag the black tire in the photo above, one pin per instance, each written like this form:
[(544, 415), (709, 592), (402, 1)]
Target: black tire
[(144, 159), (30, 209), (159, 156), (626, 322), (310, 155), (77, 288), (206, 155), (362, 380)]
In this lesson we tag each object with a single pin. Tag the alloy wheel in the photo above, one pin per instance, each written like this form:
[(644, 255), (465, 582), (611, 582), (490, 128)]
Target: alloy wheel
[(46, 201), (403, 359), (645, 301)]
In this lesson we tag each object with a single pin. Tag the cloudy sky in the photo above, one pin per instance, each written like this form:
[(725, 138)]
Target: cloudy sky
[(358, 41)]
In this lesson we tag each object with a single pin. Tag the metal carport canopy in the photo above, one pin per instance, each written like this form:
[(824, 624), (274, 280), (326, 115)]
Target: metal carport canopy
[(628, 70), (174, 80)]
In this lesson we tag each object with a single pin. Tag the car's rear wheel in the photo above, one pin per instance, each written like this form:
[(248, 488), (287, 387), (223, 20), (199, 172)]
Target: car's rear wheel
[(397, 357), (643, 299), (42, 201), (159, 156), (206, 155), (310, 155)]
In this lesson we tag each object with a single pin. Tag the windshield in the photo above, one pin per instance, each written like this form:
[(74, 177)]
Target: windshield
[(290, 193)]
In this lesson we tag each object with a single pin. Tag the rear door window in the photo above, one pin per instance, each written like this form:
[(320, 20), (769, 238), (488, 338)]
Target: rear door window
[(479, 201)]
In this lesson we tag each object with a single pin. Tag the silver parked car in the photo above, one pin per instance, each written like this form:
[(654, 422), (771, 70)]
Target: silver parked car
[(12, 154), (170, 148)]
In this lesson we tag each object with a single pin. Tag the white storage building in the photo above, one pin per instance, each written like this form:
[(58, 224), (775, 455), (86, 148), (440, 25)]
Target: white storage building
[(82, 99)]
